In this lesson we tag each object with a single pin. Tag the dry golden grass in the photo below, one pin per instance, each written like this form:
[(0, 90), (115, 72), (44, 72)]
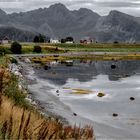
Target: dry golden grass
[(47, 59), (81, 91), (17, 122)]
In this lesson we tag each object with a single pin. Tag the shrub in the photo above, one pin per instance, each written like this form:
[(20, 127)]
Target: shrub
[(39, 39), (42, 38), (37, 49), (12, 91), (116, 42), (2, 50), (13, 60), (36, 39), (63, 40), (16, 48), (69, 39)]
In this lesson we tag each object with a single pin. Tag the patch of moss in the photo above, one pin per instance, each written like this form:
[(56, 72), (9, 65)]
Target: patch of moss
[(81, 91), (47, 59), (101, 95)]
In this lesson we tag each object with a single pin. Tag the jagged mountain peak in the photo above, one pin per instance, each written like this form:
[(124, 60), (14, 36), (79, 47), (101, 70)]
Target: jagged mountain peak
[(112, 12), (85, 11), (118, 14), (2, 12), (58, 6)]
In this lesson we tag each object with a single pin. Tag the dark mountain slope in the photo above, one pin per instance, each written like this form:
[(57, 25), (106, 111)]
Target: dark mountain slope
[(57, 22)]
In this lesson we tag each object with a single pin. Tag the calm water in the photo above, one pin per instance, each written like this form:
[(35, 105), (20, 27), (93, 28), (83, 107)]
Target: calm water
[(118, 80)]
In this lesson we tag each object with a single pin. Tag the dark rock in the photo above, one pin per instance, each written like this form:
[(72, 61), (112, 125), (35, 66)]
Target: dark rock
[(113, 66), (54, 73), (56, 55), (57, 91), (74, 114), (101, 94), (47, 67), (132, 98), (115, 115), (69, 64)]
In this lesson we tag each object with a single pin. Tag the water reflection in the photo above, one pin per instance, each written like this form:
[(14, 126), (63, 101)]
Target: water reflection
[(87, 70)]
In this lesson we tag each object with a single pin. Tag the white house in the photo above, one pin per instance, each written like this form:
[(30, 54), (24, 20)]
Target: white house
[(54, 41), (4, 40), (69, 42)]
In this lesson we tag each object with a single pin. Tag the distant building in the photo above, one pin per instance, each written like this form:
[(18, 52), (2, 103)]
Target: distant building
[(69, 42), (54, 41), (4, 40), (87, 40)]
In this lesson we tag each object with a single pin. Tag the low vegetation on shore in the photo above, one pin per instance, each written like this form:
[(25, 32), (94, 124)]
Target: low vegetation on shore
[(20, 120)]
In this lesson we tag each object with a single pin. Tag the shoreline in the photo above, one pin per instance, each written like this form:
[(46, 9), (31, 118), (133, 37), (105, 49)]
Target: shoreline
[(103, 130), (63, 113), (36, 103)]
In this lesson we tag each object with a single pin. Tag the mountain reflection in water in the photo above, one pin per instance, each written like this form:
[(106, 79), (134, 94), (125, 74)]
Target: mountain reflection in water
[(87, 70)]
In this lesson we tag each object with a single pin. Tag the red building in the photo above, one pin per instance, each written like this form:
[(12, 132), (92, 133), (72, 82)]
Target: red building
[(86, 40)]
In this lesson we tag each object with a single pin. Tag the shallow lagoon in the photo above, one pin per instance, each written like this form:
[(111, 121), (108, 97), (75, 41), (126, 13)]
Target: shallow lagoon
[(55, 88)]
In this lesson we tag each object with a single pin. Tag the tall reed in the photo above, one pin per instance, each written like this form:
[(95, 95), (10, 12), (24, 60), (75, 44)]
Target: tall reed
[(19, 122)]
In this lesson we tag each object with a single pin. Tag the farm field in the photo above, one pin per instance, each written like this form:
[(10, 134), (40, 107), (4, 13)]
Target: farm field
[(27, 48)]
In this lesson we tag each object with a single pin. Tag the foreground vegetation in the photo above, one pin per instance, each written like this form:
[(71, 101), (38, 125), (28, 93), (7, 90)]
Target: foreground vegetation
[(20, 120)]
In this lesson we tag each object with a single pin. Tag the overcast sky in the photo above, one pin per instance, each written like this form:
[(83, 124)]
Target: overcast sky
[(100, 6)]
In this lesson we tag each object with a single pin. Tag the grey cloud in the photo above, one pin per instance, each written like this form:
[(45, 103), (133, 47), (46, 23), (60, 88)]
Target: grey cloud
[(100, 6), (13, 10), (119, 4)]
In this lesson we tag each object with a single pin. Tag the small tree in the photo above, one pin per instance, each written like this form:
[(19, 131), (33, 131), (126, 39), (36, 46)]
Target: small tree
[(116, 42), (63, 40), (39, 39), (42, 38), (70, 39), (36, 39), (37, 49), (16, 48)]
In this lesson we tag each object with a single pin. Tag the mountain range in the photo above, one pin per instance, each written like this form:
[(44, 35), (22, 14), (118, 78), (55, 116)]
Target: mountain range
[(58, 22)]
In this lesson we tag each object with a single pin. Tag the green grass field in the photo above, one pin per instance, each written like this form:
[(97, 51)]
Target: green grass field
[(100, 47), (27, 48)]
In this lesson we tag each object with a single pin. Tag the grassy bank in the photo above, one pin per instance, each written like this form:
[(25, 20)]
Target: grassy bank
[(20, 120)]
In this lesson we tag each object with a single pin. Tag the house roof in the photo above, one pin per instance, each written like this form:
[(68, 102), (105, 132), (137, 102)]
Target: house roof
[(4, 38), (86, 38)]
